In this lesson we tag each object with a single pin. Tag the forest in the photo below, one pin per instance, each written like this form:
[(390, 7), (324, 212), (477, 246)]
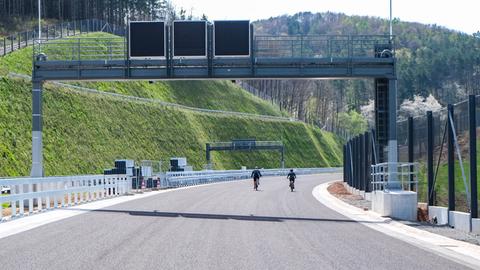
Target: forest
[(15, 14), (432, 60)]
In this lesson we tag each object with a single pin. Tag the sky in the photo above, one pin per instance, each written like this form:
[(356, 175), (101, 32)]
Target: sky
[(460, 15)]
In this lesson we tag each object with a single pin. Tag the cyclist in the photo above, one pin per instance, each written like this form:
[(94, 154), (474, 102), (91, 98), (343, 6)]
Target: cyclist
[(292, 176), (256, 178)]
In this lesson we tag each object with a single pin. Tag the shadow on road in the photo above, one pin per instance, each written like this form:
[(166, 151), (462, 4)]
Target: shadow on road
[(221, 216)]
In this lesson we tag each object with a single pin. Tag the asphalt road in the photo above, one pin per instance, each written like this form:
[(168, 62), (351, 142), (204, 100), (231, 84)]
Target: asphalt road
[(221, 226)]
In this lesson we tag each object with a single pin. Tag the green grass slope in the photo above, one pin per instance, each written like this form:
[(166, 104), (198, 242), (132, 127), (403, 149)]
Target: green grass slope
[(218, 95), (84, 133)]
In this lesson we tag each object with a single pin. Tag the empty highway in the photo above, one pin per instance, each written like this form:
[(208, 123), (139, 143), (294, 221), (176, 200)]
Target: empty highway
[(220, 226)]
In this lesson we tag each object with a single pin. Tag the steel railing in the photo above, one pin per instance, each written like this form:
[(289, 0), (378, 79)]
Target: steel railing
[(405, 175), (307, 47)]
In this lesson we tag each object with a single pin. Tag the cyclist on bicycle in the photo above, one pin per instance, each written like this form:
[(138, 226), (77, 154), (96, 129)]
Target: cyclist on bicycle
[(256, 178), (292, 176)]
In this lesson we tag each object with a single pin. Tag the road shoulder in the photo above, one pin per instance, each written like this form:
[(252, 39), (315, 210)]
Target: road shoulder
[(458, 251)]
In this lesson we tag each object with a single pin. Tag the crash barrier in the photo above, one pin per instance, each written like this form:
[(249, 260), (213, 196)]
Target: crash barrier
[(179, 179), (35, 194)]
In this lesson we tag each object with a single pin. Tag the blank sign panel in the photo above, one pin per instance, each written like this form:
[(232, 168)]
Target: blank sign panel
[(232, 38), (190, 39), (147, 40)]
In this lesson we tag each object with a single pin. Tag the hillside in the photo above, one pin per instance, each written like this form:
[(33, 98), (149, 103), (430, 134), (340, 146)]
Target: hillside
[(84, 133), (217, 95)]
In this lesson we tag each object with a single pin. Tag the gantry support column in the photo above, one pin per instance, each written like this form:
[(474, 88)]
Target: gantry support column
[(37, 124), (392, 134)]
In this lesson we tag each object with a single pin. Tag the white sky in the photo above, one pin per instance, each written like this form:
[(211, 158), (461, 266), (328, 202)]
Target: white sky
[(461, 15)]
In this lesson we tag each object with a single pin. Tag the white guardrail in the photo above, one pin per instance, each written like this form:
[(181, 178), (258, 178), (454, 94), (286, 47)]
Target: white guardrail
[(38, 193), (35, 194)]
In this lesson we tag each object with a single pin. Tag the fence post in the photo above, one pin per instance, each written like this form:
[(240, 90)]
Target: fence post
[(410, 151), (46, 34), (344, 163), (61, 30), (473, 156), (74, 26), (19, 40), (355, 164), (11, 44), (451, 160), (364, 163), (349, 160), (4, 46), (366, 156), (430, 171), (358, 162), (26, 39)]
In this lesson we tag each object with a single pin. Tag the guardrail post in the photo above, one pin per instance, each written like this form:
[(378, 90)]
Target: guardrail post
[(21, 203), (30, 201), (430, 172), (451, 160), (473, 156), (410, 151)]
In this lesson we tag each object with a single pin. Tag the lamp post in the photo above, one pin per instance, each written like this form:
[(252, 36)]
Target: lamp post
[(391, 26), (39, 19)]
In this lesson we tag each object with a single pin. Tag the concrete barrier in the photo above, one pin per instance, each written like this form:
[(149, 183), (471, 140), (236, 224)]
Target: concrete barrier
[(441, 213), (459, 220), (476, 225), (396, 204)]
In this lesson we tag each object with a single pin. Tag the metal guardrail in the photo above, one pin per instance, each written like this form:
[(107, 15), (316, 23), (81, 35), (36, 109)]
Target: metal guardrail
[(82, 89), (246, 143), (179, 179), (38, 193), (406, 174)]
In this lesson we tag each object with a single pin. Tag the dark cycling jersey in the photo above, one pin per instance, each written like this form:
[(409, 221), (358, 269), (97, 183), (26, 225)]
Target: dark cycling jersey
[(256, 174), (291, 176)]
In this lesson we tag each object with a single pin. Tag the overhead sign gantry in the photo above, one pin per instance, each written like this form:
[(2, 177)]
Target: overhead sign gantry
[(218, 50)]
